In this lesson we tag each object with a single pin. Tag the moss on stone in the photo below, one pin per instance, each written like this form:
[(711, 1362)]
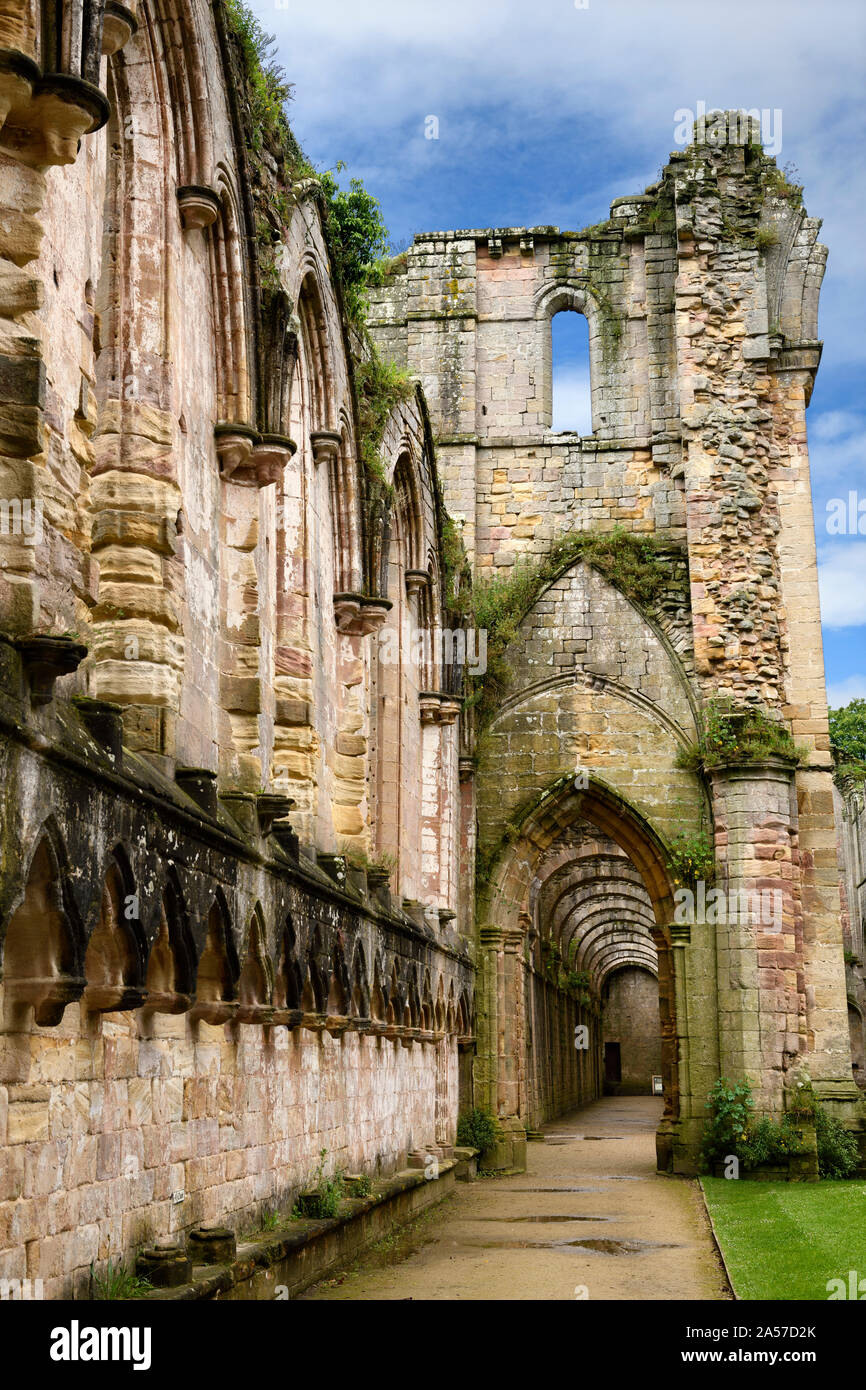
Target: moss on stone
[(639, 566)]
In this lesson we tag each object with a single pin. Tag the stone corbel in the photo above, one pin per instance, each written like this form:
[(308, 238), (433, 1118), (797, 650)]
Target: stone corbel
[(215, 1011), (374, 613), (416, 581), (200, 784), (113, 998), (357, 615), (19, 77), (271, 807), (45, 660), (263, 1014), (47, 996), (325, 445), (46, 128), (234, 445), (118, 27), (438, 708), (199, 206), (428, 703), (270, 457), (449, 709)]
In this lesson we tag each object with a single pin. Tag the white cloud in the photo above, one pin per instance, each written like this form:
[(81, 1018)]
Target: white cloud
[(571, 400), (829, 425), (842, 582), (841, 454), (500, 77), (842, 692)]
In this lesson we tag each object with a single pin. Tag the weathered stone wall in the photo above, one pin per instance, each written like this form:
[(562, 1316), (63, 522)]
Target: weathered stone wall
[(630, 1018), (198, 719), (850, 806), (107, 1126), (701, 300)]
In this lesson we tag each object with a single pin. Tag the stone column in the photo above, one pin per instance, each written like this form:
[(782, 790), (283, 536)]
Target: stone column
[(43, 116), (690, 1055), (759, 935)]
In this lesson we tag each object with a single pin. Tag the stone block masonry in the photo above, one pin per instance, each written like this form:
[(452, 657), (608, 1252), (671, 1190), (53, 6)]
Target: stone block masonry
[(272, 878)]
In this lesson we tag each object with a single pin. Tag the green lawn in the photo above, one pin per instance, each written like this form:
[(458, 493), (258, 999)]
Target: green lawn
[(784, 1240)]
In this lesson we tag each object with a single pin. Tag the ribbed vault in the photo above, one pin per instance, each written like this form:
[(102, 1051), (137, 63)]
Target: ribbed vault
[(589, 900)]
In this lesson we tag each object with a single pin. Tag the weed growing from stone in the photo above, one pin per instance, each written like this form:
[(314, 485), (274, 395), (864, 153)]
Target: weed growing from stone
[(691, 858), (117, 1282), (731, 733), (327, 1194)]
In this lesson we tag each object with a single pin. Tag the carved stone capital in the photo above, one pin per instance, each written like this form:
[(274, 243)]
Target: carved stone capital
[(118, 27), (325, 445), (416, 581), (199, 206), (234, 445)]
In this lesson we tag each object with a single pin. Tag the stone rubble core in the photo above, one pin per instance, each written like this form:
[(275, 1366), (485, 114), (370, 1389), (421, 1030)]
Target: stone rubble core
[(267, 887)]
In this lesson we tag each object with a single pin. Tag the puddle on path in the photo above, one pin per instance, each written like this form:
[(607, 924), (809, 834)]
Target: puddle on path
[(551, 1189), (622, 1247), (543, 1220), (581, 1138), (597, 1246)]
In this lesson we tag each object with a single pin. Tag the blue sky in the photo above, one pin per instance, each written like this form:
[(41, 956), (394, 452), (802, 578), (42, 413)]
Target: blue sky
[(548, 111)]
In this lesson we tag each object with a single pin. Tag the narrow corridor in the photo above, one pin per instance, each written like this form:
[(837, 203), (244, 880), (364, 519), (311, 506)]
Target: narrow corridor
[(590, 1218)]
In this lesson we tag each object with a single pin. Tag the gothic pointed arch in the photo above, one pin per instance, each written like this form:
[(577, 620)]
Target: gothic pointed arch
[(171, 964), (216, 998), (42, 944), (115, 960)]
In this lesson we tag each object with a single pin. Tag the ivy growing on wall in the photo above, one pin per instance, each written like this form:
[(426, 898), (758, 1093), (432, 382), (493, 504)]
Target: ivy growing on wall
[(638, 565), (731, 733)]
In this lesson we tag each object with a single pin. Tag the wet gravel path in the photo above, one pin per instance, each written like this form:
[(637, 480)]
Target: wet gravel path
[(589, 1218)]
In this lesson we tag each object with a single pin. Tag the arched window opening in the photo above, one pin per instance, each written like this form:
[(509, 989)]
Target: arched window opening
[(216, 982), (572, 406), (114, 963), (40, 966)]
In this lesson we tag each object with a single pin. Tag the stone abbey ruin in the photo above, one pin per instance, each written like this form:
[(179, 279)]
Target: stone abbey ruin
[(291, 858)]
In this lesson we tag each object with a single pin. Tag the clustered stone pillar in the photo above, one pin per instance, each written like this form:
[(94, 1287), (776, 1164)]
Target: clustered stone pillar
[(761, 990), (500, 1013), (48, 102)]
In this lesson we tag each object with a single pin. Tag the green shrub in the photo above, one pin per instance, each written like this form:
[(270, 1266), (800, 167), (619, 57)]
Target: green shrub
[(477, 1129), (838, 1154), (730, 1105), (358, 236), (732, 1128), (768, 1141), (692, 858)]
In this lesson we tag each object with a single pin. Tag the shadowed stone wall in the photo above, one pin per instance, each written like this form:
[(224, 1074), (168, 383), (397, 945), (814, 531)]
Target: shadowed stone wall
[(630, 1018)]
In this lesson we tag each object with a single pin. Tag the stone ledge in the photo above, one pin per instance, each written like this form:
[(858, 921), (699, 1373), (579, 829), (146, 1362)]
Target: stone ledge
[(307, 1251)]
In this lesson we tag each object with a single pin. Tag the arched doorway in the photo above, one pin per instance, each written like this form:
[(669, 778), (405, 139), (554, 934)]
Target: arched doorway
[(579, 890)]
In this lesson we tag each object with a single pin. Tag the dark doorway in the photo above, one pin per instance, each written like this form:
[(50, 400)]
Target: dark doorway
[(612, 1064)]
